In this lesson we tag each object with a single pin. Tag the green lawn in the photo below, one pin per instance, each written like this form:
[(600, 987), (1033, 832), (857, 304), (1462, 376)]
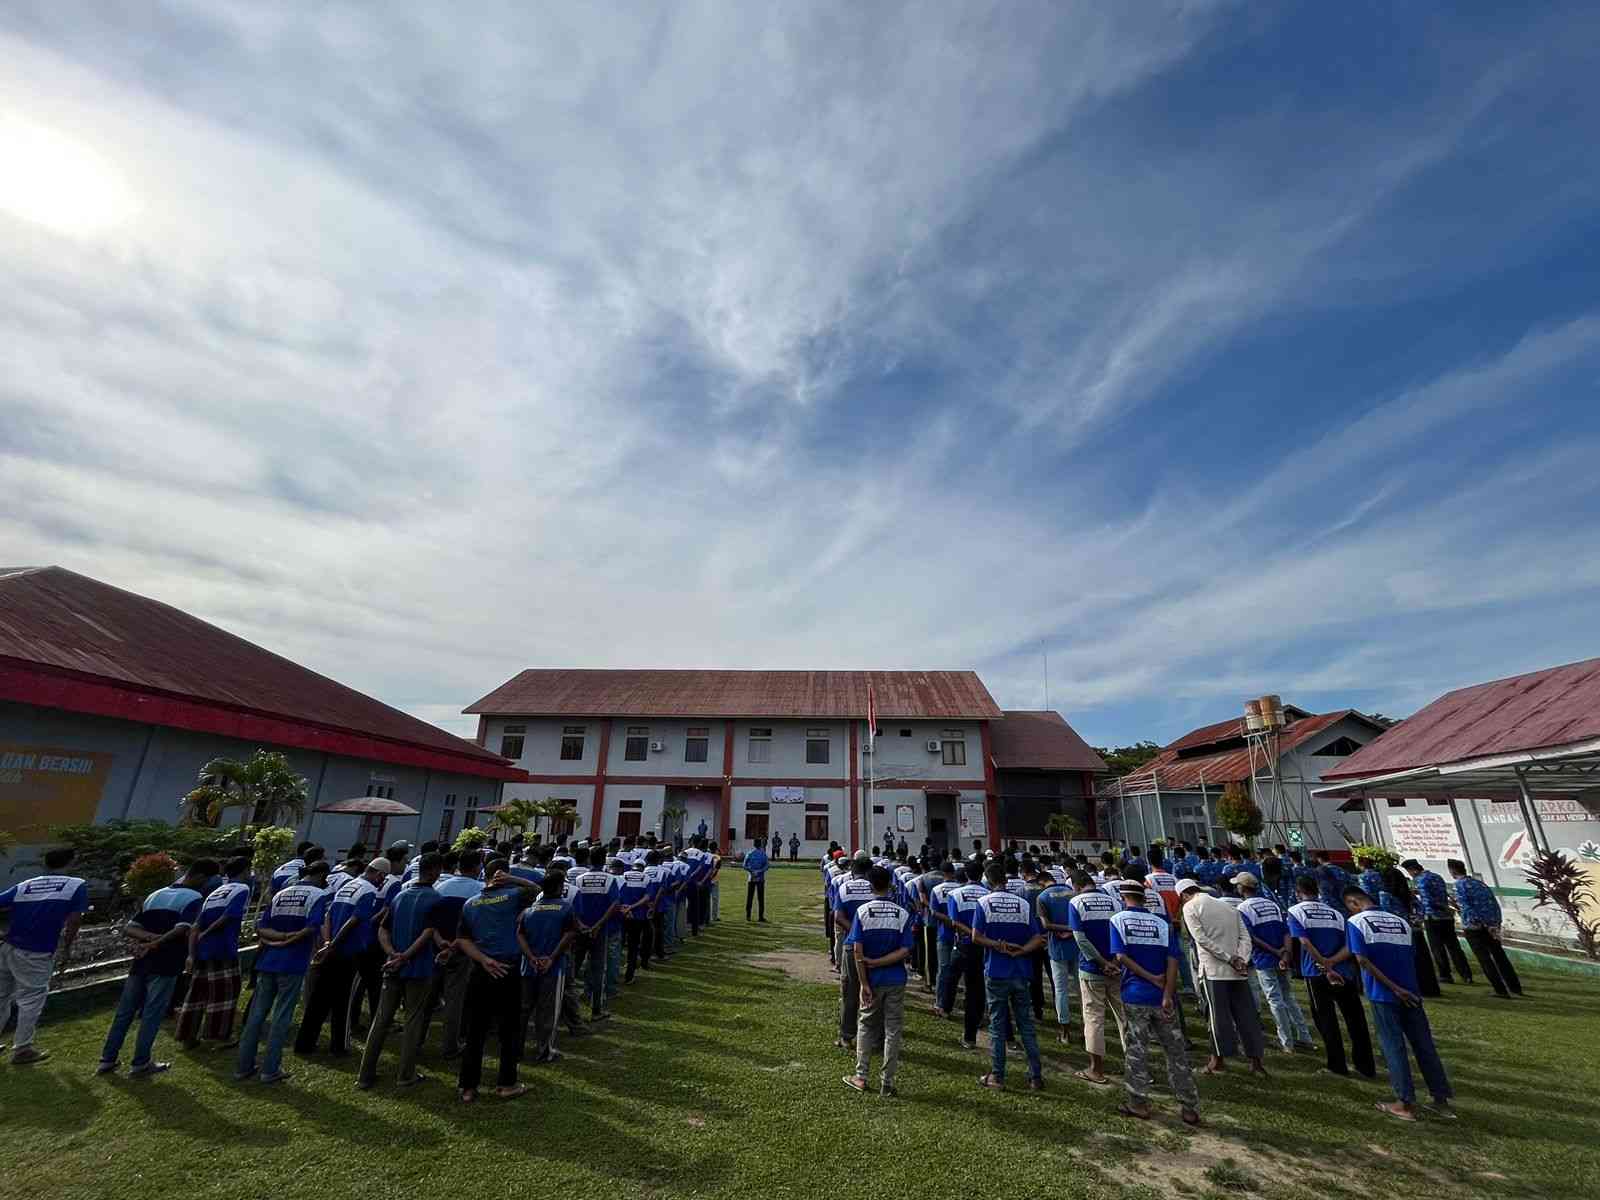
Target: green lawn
[(718, 1079)]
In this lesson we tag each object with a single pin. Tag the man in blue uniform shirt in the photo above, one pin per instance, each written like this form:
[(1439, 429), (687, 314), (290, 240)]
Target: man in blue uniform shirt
[(966, 960), (595, 905), (1145, 945), (879, 941), (1054, 908), (488, 936), (1005, 926), (1264, 921), (755, 865), (286, 936), (1438, 922), (1089, 919), (45, 914), (1330, 974), (347, 932), (160, 938), (209, 1006), (544, 931), (850, 894), (635, 897), (1480, 925), (409, 939), (1381, 944)]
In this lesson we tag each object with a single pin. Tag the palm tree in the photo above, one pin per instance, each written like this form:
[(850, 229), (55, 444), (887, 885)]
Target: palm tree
[(554, 810), (1063, 827), (265, 788), (514, 816)]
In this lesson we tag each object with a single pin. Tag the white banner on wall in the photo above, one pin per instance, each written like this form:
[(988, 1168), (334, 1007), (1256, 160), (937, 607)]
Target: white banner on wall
[(788, 795), (1425, 835), (905, 818), (973, 822)]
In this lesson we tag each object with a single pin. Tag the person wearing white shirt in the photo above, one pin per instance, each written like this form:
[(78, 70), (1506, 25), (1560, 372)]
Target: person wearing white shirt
[(1224, 948)]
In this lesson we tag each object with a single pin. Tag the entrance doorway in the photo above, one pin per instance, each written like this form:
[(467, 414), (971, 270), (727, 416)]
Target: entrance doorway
[(942, 824), (686, 808)]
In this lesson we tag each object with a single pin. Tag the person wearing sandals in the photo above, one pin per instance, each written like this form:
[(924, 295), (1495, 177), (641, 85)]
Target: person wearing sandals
[(880, 941), (1382, 945), (1145, 946), (46, 912), (1006, 927), (488, 937)]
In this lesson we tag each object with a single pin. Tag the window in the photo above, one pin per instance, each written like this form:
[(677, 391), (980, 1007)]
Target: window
[(371, 831), (1337, 749), (1395, 801), (628, 817), (755, 821), (1439, 801), (572, 743), (696, 743), (877, 809), (447, 821), (381, 791), (760, 744), (470, 821), (955, 749), (511, 741), (816, 822), (816, 745), (637, 748), (905, 733)]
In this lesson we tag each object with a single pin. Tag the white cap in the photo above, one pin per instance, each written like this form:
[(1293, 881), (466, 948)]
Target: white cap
[(380, 864), (1245, 879), (1187, 885)]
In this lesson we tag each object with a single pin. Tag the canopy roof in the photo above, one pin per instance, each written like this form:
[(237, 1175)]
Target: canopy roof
[(369, 806)]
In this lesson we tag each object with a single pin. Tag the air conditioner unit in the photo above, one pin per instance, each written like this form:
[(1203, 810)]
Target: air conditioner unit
[(866, 748), (934, 745), (658, 746)]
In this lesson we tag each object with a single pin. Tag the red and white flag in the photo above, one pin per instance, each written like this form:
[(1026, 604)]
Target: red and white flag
[(872, 714)]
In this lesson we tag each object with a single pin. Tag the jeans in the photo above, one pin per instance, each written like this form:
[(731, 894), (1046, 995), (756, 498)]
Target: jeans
[(24, 978), (942, 955), (147, 997), (1286, 1012), (1010, 996), (271, 1008), (1328, 1002), (1493, 961), (1398, 1024), (755, 892), (713, 902), (879, 1025), (1064, 974)]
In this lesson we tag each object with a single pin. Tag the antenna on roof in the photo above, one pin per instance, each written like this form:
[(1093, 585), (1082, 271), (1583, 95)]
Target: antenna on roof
[(1046, 652)]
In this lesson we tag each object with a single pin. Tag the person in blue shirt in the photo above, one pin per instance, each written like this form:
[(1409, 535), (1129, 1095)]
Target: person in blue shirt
[(1396, 899), (880, 941), (1480, 925), (545, 930), (159, 935), (286, 936), (593, 909), (1005, 926), (45, 913), (1270, 958), (1381, 945), (1330, 975), (488, 935), (346, 933), (937, 911), (851, 892), (1089, 918), (289, 873), (409, 939), (634, 899), (1053, 905), (458, 882), (210, 1004), (1331, 880), (927, 928), (1438, 922), (755, 865), (1145, 945), (1368, 876), (966, 960)]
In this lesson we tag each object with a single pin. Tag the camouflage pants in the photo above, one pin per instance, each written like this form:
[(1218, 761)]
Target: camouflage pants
[(1144, 1024)]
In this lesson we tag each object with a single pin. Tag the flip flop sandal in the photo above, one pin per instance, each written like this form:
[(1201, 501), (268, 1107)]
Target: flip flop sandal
[(1127, 1110), (1088, 1078), (1389, 1112), (469, 1096), (990, 1082), (855, 1083), (512, 1093)]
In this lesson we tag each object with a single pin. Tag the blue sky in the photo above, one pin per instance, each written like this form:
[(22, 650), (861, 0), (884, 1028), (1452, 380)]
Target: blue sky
[(1212, 349)]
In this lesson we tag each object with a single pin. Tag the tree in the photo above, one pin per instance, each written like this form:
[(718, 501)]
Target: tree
[(265, 788), (270, 848), (672, 816), (1237, 812), (1560, 883), (470, 838), (1124, 760), (1063, 827), (514, 816)]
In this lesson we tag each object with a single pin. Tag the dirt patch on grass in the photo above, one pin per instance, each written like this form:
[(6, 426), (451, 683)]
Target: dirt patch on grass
[(804, 966)]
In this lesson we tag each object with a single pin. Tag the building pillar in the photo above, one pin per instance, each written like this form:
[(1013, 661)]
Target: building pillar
[(991, 801), (725, 806), (599, 778)]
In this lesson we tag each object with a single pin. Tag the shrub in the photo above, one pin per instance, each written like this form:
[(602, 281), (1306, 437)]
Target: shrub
[(1382, 857), (470, 838), (1560, 883), (149, 873), (270, 848), (1238, 814)]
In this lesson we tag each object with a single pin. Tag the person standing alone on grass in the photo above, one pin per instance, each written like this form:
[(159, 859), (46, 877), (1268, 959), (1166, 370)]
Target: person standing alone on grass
[(286, 936), (755, 865), (1004, 925), (852, 892), (1330, 974), (209, 1006), (46, 912), (1224, 947), (1146, 948), (794, 847), (879, 940), (160, 936), (1381, 944), (1480, 924), (1264, 921)]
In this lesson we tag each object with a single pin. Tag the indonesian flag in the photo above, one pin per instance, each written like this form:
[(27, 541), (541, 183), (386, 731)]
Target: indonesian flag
[(872, 714)]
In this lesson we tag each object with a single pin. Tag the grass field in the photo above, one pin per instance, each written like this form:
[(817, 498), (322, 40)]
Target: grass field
[(718, 1079)]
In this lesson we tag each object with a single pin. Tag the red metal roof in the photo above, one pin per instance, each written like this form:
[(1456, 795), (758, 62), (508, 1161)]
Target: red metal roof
[(942, 695), (1226, 766), (68, 641), (1542, 709), (1040, 741)]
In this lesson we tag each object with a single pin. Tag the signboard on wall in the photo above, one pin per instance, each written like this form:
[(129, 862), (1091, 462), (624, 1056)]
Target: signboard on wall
[(974, 822), (42, 786), (1425, 835), (788, 795), (905, 818)]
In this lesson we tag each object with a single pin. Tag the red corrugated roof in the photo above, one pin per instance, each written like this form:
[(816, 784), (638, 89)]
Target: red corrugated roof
[(69, 625), (583, 693), (1227, 766), (1040, 741), (1554, 707)]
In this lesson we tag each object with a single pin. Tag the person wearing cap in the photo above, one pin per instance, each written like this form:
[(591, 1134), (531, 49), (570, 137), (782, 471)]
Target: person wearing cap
[(1145, 945), (346, 933), (1270, 960), (1224, 948), (1005, 926), (1381, 944), (1330, 975), (852, 892)]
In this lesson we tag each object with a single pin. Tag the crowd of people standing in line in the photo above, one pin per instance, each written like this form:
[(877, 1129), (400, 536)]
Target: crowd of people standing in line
[(511, 940), (1137, 937)]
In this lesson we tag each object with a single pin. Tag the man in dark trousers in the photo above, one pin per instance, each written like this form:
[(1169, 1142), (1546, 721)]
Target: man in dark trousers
[(1480, 925), (1439, 922), (755, 865), (794, 847), (1330, 975)]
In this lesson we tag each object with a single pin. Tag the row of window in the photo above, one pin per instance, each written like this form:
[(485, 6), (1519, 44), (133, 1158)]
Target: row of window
[(697, 744)]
